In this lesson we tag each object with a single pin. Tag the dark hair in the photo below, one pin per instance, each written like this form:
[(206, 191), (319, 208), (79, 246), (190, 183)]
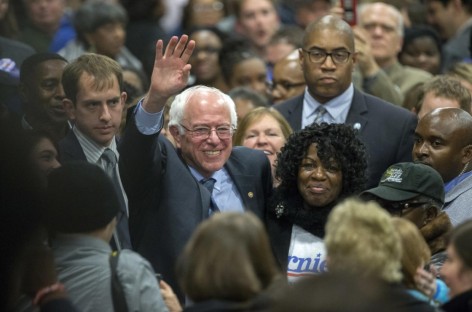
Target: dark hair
[(461, 237), (28, 67), (290, 34), (249, 94), (334, 141), (238, 266), (420, 31), (91, 16), (233, 52)]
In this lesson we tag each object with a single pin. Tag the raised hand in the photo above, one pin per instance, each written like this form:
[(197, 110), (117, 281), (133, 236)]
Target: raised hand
[(170, 73)]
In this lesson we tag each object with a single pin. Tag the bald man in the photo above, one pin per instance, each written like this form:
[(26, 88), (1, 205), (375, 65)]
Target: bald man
[(287, 80), (444, 142), (327, 59)]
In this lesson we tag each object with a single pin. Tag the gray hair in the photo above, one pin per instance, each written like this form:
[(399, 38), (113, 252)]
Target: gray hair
[(176, 113), (393, 10)]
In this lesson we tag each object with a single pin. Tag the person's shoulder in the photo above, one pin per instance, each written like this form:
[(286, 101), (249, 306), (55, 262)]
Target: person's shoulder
[(378, 105), (246, 152), (407, 70), (289, 103), (130, 261)]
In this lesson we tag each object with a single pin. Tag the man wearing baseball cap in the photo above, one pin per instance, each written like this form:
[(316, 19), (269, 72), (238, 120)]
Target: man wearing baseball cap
[(415, 191)]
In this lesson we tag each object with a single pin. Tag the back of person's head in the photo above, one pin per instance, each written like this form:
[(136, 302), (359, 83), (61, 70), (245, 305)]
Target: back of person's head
[(227, 258), (460, 238), (93, 15), (80, 198), (446, 87), (29, 66), (245, 93), (416, 252), (361, 240), (102, 68), (333, 292)]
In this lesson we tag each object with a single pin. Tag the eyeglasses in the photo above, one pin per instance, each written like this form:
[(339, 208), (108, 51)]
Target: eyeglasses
[(223, 132), (402, 208), (319, 56), (285, 85)]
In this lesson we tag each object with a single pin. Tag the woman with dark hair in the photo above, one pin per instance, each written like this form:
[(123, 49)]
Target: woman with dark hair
[(421, 49), (227, 265), (242, 67), (317, 167), (457, 270), (206, 69), (100, 28)]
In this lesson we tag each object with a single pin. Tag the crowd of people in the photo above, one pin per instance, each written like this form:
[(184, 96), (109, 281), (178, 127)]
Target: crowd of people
[(235, 155)]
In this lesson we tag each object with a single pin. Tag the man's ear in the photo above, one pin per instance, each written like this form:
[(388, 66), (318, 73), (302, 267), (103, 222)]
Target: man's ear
[(300, 57), (124, 96), (174, 131), (69, 108), (431, 213), (467, 154)]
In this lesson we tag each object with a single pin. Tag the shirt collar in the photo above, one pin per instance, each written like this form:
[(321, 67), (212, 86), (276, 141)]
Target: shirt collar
[(92, 150), (337, 108), (451, 184)]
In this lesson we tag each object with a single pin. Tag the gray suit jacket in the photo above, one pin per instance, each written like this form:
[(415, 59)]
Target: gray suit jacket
[(386, 130), (166, 202)]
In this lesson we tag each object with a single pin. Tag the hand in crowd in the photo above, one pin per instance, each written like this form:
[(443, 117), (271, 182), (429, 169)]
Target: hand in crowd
[(426, 281), (169, 297), (365, 59), (170, 73)]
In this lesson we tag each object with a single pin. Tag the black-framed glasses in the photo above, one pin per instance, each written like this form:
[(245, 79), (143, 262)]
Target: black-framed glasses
[(319, 56), (401, 209), (223, 132), (284, 85)]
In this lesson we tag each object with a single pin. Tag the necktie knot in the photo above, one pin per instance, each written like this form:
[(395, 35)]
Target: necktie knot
[(319, 113), (209, 184)]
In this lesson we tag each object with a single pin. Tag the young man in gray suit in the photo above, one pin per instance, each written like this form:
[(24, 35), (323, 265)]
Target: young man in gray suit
[(327, 58), (171, 190)]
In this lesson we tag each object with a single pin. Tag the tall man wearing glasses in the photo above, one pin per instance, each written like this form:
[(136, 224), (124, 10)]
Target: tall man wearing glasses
[(170, 190), (327, 59)]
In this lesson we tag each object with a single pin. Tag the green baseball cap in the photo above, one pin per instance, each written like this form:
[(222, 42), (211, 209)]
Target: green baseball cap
[(404, 181)]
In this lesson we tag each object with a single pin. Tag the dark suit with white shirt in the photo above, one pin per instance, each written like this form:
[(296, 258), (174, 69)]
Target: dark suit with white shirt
[(386, 130), (167, 203)]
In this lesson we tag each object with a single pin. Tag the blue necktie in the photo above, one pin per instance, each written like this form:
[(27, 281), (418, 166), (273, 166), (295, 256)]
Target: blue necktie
[(209, 184)]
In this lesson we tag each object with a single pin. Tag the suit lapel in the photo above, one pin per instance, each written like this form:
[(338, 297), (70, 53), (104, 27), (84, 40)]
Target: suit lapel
[(244, 183), (70, 148), (295, 112), (357, 112)]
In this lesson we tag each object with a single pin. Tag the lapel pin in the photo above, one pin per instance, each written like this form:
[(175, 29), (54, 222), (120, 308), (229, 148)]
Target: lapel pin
[(250, 194)]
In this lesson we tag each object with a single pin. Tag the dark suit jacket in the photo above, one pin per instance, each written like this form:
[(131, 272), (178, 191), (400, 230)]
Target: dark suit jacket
[(71, 150), (386, 130), (167, 203)]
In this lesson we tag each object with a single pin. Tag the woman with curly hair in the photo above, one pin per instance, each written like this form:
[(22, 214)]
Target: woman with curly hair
[(318, 167)]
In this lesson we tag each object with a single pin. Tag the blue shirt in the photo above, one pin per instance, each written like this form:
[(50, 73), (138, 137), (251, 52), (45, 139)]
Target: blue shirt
[(337, 108)]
